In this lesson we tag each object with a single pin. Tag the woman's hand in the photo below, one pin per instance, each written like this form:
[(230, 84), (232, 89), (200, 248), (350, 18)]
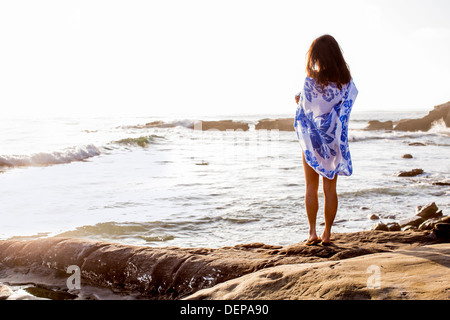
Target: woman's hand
[(297, 98)]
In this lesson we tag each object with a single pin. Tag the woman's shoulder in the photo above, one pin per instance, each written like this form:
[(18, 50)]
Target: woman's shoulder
[(309, 79), (310, 83)]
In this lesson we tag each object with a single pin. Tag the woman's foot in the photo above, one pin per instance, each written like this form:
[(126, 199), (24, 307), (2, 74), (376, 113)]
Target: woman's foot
[(326, 238), (313, 239)]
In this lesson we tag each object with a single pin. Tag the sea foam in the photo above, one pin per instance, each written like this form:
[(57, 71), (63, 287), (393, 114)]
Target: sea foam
[(44, 159)]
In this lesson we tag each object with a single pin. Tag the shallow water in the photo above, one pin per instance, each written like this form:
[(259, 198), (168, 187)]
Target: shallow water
[(98, 178)]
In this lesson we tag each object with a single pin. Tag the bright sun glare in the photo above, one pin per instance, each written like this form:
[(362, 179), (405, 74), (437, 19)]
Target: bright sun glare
[(214, 57)]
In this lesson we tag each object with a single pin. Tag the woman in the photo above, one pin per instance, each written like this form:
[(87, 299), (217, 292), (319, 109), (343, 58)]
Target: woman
[(321, 123)]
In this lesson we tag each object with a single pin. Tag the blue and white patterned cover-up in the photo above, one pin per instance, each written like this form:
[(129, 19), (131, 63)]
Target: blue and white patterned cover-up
[(321, 123)]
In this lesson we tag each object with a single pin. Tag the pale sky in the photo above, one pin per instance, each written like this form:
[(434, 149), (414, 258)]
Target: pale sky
[(103, 58)]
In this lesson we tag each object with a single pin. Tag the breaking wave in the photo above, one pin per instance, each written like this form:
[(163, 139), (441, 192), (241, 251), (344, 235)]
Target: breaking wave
[(44, 159), (143, 141), (72, 154)]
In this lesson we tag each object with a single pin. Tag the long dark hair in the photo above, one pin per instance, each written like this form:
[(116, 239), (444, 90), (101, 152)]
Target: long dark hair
[(325, 62)]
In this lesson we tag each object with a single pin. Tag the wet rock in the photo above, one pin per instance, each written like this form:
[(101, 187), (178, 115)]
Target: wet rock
[(394, 226), (428, 224), (364, 208), (441, 183), (411, 173), (407, 156), (409, 228), (221, 125), (380, 125), (424, 124), (425, 219), (417, 144), (413, 125), (438, 214), (172, 272), (414, 221), (380, 226), (284, 124), (429, 211), (373, 216), (415, 274)]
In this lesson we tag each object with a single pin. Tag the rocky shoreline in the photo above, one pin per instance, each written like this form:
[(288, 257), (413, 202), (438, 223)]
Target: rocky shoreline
[(282, 124), (36, 269), (419, 273), (440, 112), (427, 217)]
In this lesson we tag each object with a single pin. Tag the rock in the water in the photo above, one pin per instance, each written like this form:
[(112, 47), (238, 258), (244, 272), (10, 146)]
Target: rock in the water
[(407, 156), (285, 124), (417, 144), (373, 216), (380, 226), (428, 211), (440, 183), (221, 125), (424, 124), (394, 226), (380, 125), (411, 173)]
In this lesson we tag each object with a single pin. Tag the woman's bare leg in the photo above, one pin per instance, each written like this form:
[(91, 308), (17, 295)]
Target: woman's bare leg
[(331, 206), (311, 198)]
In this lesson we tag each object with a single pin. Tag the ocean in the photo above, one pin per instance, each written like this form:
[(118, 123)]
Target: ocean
[(114, 179)]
